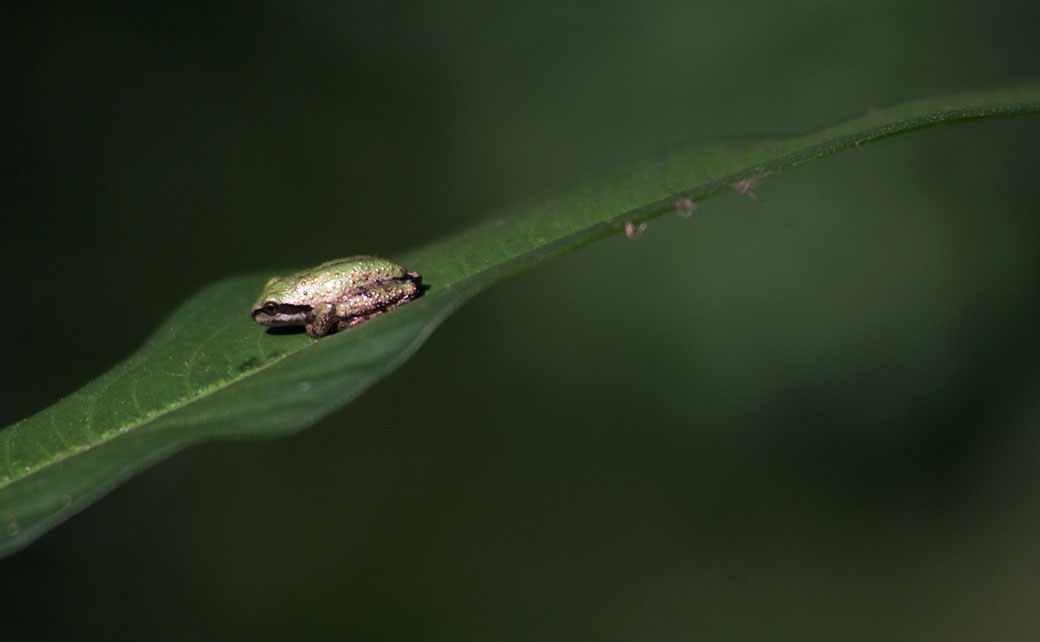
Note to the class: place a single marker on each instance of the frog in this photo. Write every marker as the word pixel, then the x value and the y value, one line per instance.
pixel 336 295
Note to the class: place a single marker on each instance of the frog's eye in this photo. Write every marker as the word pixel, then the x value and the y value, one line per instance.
pixel 270 308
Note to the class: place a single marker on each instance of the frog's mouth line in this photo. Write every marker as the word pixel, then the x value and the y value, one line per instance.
pixel 287 314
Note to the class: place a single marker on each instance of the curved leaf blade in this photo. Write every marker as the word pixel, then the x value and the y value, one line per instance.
pixel 210 372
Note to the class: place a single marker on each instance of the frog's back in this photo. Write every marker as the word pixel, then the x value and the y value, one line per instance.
pixel 333 279
pixel 362 270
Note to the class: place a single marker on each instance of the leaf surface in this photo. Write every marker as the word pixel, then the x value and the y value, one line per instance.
pixel 210 372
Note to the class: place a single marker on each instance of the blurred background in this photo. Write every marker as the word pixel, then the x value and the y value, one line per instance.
pixel 811 417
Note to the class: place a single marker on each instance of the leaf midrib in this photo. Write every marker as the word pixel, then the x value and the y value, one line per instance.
pixel 155 415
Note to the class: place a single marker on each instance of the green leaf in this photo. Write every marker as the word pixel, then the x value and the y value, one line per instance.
pixel 210 372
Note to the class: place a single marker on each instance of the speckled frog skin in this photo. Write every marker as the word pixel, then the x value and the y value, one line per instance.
pixel 336 295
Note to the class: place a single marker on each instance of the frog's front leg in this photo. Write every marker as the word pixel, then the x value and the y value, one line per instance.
pixel 324 320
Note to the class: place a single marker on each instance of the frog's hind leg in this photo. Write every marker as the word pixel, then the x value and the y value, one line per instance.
pixel 387 296
pixel 361 318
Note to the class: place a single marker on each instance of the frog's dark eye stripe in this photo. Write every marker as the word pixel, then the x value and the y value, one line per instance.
pixel 270 308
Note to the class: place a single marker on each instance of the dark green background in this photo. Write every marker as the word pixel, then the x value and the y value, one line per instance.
pixel 813 417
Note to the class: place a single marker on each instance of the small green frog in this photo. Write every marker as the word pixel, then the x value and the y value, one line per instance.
pixel 336 294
